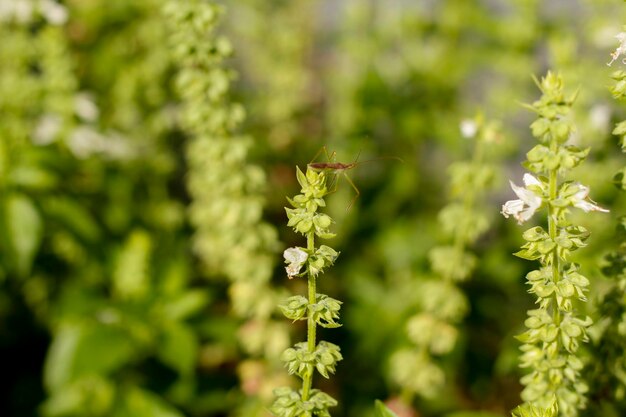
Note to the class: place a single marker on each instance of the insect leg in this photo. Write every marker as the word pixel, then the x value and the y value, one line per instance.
pixel 358 193
pixel 332 156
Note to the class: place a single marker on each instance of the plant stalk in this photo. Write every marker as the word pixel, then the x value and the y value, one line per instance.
pixel 311 325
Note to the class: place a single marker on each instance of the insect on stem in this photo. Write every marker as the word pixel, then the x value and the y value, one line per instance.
pixel 340 168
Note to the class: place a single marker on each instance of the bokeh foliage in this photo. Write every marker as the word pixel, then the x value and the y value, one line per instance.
pixel 139 255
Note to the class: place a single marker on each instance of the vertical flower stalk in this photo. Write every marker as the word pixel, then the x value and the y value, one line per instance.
pixel 607 372
pixel 304 358
pixel 230 238
pixel 433 331
pixel 554 330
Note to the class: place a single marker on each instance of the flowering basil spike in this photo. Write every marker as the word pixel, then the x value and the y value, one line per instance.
pixel 307 357
pixel 555 329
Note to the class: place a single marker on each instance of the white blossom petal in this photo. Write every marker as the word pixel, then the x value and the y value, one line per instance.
pixel 621 49
pixel 295 257
pixel 528 202
pixel 530 180
pixel 527 196
pixel 581 201
pixel 293 270
pixel 588 206
pixel 512 208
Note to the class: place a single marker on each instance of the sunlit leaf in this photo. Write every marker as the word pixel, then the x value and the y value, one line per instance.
pixel 24 230
pixel 383 411
pixel 85 348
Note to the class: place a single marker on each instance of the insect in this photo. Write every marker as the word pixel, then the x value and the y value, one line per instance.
pixel 339 168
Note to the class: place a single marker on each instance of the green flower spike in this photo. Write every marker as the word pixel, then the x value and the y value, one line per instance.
pixel 305 358
pixel 555 329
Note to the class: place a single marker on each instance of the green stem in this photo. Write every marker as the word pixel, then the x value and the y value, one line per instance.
pixel 311 325
pixel 468 200
pixel 552 230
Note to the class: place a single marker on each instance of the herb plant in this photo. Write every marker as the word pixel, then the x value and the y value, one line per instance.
pixel 226 210
pixel 304 358
pixel 607 372
pixel 555 329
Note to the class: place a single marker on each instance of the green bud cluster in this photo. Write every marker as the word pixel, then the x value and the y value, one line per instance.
pixel 231 238
pixel 290 404
pixel 528 410
pixel 304 358
pixel 433 331
pixel 324 312
pixel 554 330
pixel 607 374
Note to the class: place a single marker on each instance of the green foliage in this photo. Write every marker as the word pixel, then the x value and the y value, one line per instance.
pixel 606 373
pixel 145 149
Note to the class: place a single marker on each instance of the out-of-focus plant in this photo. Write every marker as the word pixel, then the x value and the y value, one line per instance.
pixel 555 330
pixel 230 236
pixel 606 373
pixel 36 108
pixel 280 64
pixel 434 329
pixel 94 363
pixel 87 259
pixel 304 358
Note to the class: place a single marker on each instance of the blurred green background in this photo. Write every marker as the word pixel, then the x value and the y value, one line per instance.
pixel 130 286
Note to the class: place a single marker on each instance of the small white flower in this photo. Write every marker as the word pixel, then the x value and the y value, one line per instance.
pixel 85 107
pixel 53 12
pixel 581 201
pixel 621 49
pixel 47 129
pixel 468 128
pixel 528 202
pixel 295 257
pixel 600 116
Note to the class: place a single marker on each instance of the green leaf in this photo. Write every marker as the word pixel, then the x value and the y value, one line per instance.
pixel 24 230
pixel 131 276
pixel 79 349
pixel 73 216
pixel 178 348
pixel 141 403
pixel 525 254
pixel 383 411
pixel 33 178
pixel 89 395
pixel 186 304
